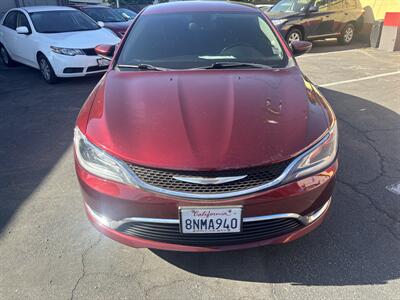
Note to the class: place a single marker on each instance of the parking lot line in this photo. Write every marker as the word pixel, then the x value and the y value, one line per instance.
pixel 359 79
pixel 329 53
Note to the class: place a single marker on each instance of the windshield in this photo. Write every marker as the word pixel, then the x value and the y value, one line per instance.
pixel 62 21
pixel 106 15
pixel 291 6
pixel 190 40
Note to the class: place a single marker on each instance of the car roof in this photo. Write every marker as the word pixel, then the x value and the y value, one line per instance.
pixel 199 6
pixel 31 9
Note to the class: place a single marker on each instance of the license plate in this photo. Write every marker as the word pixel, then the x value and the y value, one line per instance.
pixel 211 219
pixel 102 62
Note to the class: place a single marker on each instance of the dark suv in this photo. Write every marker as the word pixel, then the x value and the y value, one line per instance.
pixel 107 17
pixel 317 19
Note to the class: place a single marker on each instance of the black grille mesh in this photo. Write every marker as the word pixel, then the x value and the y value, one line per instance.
pixel 96 68
pixel 251 232
pixel 90 51
pixel 255 177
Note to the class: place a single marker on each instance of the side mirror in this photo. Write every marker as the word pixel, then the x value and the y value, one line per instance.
pixel 100 23
pixel 313 9
pixel 22 30
pixel 300 47
pixel 105 51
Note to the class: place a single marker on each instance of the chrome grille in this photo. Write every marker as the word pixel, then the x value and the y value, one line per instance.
pixel 164 179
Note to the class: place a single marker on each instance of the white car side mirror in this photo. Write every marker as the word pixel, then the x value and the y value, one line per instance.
pixel 100 23
pixel 22 30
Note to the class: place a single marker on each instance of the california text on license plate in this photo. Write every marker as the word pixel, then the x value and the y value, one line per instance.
pixel 224 219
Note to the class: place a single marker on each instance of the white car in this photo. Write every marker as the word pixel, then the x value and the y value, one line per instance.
pixel 57 40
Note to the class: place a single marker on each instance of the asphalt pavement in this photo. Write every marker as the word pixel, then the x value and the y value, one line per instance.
pixel 48 249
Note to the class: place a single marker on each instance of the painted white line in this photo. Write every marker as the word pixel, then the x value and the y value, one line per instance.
pixel 394 188
pixel 329 53
pixel 359 79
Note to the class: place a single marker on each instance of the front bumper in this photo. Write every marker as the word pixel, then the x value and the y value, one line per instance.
pixel 109 205
pixel 80 65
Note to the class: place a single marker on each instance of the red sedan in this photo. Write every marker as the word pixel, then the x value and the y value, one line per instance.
pixel 204 135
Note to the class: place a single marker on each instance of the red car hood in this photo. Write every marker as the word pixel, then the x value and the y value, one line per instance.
pixel 118 27
pixel 206 119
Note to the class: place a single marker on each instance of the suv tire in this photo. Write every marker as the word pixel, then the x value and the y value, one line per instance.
pixel 46 69
pixel 5 57
pixel 294 34
pixel 347 35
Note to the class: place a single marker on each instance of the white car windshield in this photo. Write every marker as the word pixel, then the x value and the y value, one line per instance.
pixel 62 21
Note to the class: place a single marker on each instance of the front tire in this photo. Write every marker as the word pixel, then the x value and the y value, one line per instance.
pixel 47 70
pixel 347 34
pixel 294 34
pixel 5 57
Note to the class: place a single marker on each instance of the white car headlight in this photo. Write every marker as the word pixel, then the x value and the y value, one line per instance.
pixel 98 162
pixel 315 159
pixel 278 22
pixel 67 51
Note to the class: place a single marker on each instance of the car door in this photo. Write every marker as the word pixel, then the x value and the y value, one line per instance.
pixel 316 20
pixel 351 12
pixel 336 16
pixel 330 12
pixel 8 32
pixel 25 44
pixel 326 24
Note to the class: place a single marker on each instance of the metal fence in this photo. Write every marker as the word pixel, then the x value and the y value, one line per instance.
pixel 39 2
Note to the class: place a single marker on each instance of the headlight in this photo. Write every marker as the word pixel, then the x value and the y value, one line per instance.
pixel 98 162
pixel 317 158
pixel 67 51
pixel 278 22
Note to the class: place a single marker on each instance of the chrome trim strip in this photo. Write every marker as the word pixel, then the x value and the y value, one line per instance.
pixel 272 217
pixel 194 196
pixel 114 224
pixel 208 180
pixel 307 219
pixel 323 35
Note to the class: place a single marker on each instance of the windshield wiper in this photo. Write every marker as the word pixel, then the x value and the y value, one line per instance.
pixel 143 67
pixel 226 65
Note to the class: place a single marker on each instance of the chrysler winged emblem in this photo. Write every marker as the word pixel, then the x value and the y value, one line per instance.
pixel 208 180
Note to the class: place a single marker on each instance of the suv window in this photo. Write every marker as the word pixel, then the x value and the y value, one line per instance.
pixel 329 5
pixel 351 3
pixel 334 5
pixel 23 21
pixel 11 20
